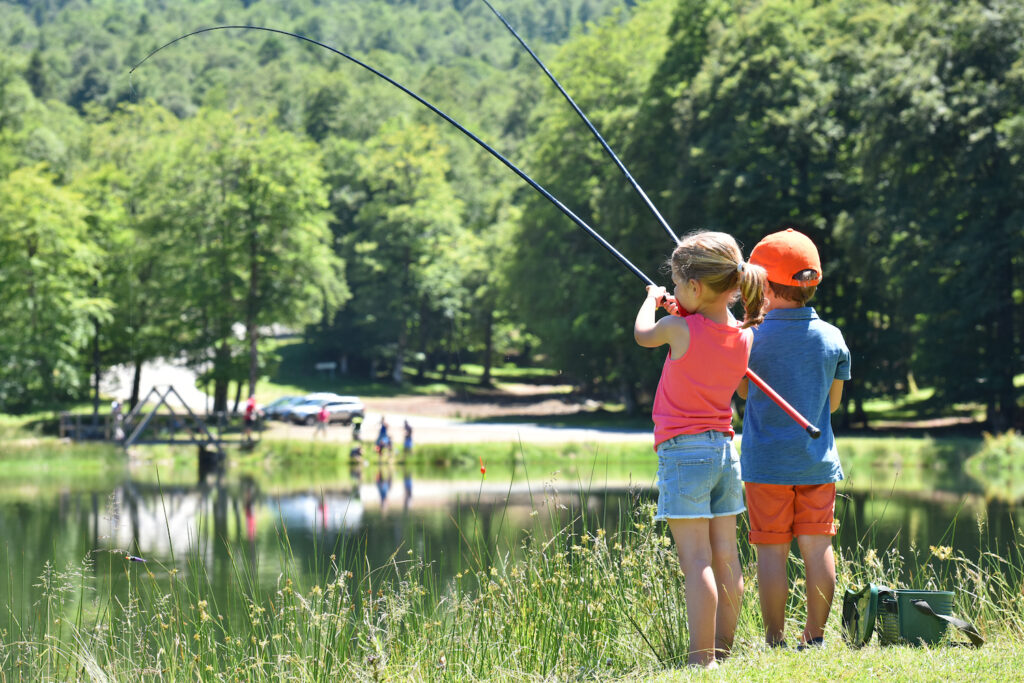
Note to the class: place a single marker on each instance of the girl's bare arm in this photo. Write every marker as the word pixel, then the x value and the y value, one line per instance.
pixel 670 329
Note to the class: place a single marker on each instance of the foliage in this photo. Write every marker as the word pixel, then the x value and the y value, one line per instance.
pixel 48 267
pixel 890 132
pixel 574 294
pixel 201 225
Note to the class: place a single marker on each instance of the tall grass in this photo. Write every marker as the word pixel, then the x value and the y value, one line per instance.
pixel 569 601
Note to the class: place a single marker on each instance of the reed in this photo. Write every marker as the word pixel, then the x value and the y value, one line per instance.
pixel 564 600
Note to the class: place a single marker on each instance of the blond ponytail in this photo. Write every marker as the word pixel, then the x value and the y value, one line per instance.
pixel 752 284
pixel 715 259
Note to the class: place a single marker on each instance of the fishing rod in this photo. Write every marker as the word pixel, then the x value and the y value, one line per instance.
pixel 493 152
pixel 667 302
pixel 671 307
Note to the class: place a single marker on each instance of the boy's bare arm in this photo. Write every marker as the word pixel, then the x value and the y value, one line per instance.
pixel 743 388
pixel 835 394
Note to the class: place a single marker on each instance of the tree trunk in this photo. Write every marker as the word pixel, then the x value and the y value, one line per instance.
pixel 221 377
pixel 398 369
pixel 250 324
pixel 136 385
pixel 421 366
pixel 96 373
pixel 485 380
pixel 238 395
pixel 1003 363
pixel 628 390
pixel 253 359
pixel 446 354
pixel 858 411
pixel 220 395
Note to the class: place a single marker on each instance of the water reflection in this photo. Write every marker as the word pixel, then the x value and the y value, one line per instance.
pixel 364 518
pixel 372 511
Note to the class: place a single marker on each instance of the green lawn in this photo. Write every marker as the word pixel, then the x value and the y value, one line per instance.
pixel 296 376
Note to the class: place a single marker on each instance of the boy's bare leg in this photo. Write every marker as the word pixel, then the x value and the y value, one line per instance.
pixel 725 561
pixel 773 589
pixel 693 544
pixel 820 565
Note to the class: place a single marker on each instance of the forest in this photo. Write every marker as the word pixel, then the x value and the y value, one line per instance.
pixel 240 182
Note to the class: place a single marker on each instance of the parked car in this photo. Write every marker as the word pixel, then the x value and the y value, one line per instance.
pixel 339 409
pixel 314 399
pixel 276 409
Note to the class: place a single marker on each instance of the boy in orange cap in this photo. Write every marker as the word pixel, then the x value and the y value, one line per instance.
pixel 790 478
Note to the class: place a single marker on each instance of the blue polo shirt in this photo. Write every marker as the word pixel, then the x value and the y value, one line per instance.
pixel 798 355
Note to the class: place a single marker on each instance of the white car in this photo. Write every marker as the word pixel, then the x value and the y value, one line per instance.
pixel 276 409
pixel 339 409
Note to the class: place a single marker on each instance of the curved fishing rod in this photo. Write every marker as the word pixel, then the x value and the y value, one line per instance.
pixel 497 155
pixel 668 303
pixel 586 120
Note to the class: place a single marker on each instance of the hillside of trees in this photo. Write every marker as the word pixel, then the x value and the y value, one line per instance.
pixel 240 179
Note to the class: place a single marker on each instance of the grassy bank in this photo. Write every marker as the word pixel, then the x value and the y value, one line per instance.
pixel 578 603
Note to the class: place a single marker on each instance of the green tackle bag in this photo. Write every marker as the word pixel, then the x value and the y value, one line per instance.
pixel 901 617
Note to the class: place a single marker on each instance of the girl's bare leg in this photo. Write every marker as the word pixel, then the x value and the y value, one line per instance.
pixel 725 561
pixel 693 544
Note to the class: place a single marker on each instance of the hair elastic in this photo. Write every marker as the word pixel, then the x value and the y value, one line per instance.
pixel 740 267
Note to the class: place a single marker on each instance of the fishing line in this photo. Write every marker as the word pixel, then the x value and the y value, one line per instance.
pixel 586 120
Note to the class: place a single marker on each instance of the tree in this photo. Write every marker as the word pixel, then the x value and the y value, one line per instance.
pixel 48 266
pixel 571 292
pixel 399 229
pixel 943 156
pixel 128 156
pixel 244 208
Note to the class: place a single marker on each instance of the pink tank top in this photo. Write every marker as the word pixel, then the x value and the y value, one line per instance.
pixel 695 391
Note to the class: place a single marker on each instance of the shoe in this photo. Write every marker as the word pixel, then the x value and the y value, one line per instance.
pixel 811 644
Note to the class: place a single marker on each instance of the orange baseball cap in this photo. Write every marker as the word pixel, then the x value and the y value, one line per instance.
pixel 789 257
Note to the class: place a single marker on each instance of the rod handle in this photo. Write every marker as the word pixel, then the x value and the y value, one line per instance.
pixel 669 303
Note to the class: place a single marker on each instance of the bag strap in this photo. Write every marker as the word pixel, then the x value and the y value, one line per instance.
pixel 964 627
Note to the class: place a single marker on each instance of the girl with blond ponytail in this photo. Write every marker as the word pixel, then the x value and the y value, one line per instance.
pixel 699 488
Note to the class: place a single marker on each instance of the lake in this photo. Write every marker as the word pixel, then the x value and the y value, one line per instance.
pixel 369 515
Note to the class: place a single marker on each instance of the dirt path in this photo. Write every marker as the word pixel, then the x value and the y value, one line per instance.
pixel 440 419
pixel 434 419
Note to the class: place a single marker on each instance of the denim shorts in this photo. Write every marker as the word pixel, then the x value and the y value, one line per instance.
pixel 699 477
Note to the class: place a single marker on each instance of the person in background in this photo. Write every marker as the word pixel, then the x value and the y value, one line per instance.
pixel 383 442
pixel 117 416
pixel 249 417
pixel 322 418
pixel 699 488
pixel 407 442
pixel 790 478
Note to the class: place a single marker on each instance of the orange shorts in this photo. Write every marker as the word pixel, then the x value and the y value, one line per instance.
pixel 778 512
